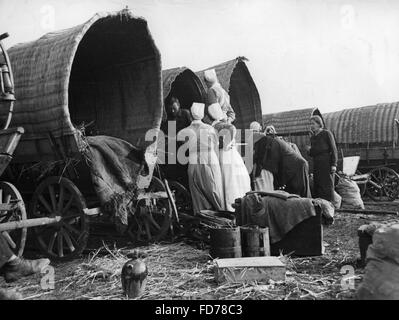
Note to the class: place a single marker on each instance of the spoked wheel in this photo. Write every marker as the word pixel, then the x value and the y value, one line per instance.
pixel 383 184
pixel 57 196
pixel 152 219
pixel 15 238
pixel 182 197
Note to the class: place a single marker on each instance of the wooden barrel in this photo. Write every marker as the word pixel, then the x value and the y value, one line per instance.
pixel 225 243
pixel 255 241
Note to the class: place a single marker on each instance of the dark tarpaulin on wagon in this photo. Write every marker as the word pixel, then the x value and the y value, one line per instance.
pixel 106 71
pixel 236 79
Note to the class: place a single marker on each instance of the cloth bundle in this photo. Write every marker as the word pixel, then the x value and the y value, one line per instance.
pixel 350 193
pixel 279 211
pixel 115 166
pixel 381 279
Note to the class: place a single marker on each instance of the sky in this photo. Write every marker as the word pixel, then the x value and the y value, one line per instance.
pixel 329 54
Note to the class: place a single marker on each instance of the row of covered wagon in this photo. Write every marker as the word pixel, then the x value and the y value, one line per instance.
pixel 101 78
pixel 370 133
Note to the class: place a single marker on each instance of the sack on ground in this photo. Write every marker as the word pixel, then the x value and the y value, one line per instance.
pixel 381 279
pixel 350 193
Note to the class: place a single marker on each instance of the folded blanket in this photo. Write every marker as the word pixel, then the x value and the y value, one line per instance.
pixel 279 215
pixel 115 166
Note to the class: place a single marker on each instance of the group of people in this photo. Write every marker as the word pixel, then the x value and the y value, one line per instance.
pixel 216 172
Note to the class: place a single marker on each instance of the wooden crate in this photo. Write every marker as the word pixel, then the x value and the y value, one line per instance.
pixel 236 270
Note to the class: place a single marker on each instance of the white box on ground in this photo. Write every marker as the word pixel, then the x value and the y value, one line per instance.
pixel 249 269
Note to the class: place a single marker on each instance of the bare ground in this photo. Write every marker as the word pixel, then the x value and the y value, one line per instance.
pixel 181 271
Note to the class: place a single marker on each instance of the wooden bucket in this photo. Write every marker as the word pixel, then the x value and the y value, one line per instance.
pixel 255 241
pixel 225 243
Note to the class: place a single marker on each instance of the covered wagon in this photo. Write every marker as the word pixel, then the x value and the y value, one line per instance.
pixel 92 89
pixel 372 134
pixel 236 79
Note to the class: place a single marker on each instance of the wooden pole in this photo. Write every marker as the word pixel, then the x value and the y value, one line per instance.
pixel 14 225
pixel 172 201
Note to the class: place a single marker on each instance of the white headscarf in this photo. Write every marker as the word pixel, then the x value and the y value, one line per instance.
pixel 255 126
pixel 216 112
pixel 210 76
pixel 197 111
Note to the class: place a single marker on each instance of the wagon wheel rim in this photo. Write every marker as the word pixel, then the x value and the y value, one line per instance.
pixel 391 184
pixel 151 225
pixel 387 181
pixel 59 197
pixel 182 197
pixel 16 239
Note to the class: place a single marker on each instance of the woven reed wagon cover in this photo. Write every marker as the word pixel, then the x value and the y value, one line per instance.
pixel 169 76
pixel 184 84
pixel 366 125
pixel 236 79
pixel 106 71
pixel 294 123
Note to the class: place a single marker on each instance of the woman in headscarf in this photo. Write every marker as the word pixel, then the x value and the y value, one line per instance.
pixel 204 174
pixel 235 177
pixel 216 94
pixel 324 153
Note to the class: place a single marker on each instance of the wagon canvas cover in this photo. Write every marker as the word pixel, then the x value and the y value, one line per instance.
pixel 106 72
pixel 366 125
pixel 236 79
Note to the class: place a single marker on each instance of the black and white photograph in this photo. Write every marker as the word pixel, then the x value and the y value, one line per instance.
pixel 221 152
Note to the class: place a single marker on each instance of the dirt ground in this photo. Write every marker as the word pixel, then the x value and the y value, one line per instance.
pixel 182 271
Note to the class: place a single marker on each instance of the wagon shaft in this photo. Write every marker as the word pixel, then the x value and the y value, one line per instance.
pixel 9 226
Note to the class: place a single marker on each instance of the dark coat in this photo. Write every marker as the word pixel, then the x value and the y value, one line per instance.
pixel 324 153
pixel 289 168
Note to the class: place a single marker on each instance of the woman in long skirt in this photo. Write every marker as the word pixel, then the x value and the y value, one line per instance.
pixel 235 176
pixel 204 174
pixel 324 153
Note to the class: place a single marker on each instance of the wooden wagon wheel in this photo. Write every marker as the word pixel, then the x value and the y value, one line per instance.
pixel 151 223
pixel 383 184
pixel 15 238
pixel 182 197
pixel 57 196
